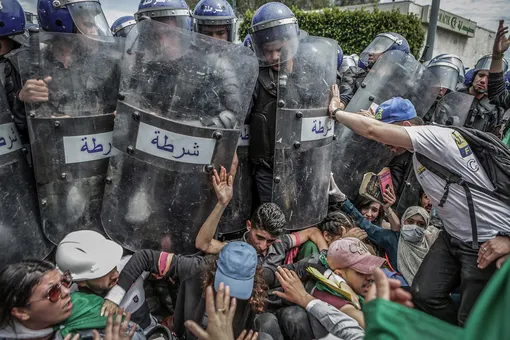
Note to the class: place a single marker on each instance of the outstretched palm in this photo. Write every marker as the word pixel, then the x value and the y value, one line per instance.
pixel 223 185
pixel 501 43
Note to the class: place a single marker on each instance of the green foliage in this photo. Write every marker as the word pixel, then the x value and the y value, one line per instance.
pixel 354 30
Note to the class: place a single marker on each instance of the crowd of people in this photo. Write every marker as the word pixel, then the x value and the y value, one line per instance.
pixel 150 245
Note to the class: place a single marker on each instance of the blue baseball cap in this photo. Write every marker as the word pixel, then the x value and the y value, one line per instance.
pixel 395 110
pixel 236 265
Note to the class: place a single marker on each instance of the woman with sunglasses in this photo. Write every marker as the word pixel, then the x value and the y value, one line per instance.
pixel 35 297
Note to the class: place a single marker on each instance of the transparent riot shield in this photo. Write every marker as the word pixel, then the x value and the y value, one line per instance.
pixel 453 109
pixel 20 225
pixel 410 195
pixel 71 133
pixel 395 74
pixel 304 133
pixel 183 99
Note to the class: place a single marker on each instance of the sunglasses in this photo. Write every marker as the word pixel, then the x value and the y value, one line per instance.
pixel 55 292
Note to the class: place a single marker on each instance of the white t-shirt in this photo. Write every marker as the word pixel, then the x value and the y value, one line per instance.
pixel 448 148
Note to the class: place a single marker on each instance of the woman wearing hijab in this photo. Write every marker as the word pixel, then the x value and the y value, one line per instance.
pixel 405 249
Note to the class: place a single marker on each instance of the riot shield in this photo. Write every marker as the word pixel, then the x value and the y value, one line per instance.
pixel 410 195
pixel 453 109
pixel 395 74
pixel 239 209
pixel 304 133
pixel 20 227
pixel 183 99
pixel 71 133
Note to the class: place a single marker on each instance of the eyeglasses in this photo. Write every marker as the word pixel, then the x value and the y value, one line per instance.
pixel 55 292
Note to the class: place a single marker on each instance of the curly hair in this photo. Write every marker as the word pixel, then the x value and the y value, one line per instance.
pixel 269 217
pixel 260 288
pixel 333 221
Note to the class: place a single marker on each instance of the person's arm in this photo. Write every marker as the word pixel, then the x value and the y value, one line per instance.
pixel 391 199
pixel 335 321
pixel 311 234
pixel 294 292
pixel 497 92
pixel 223 187
pixel 354 313
pixel 368 127
pixel 380 236
pixel 146 260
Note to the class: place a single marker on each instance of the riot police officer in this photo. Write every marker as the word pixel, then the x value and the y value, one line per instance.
pixel 483 115
pixel 353 77
pixel 215 18
pixel 449 70
pixel 123 25
pixel 275 35
pixel 73 75
pixel 171 12
pixel 13 35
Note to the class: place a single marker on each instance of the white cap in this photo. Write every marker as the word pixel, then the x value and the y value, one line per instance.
pixel 87 255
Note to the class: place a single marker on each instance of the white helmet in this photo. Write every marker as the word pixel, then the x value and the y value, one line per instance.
pixel 87 255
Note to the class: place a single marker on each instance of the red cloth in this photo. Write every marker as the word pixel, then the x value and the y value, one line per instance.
pixel 333 300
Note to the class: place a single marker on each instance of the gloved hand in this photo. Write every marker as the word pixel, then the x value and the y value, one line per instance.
pixel 334 192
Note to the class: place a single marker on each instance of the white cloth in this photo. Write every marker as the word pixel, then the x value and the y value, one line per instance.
pixel 324 317
pixel 21 332
pixel 448 148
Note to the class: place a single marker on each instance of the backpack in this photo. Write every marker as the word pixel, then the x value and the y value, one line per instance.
pixel 493 156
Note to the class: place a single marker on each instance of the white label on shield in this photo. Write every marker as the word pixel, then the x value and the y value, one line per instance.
pixel 174 146
pixel 9 139
pixel 244 139
pixel 87 148
pixel 317 128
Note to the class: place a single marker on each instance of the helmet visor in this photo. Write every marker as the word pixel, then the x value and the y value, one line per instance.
pixel 89 19
pixel 446 73
pixel 485 63
pixel 378 46
pixel 457 62
pixel 277 43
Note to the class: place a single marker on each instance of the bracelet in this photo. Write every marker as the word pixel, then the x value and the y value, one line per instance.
pixel 388 213
pixel 334 113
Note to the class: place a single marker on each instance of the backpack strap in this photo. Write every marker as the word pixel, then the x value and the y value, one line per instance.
pixel 454 178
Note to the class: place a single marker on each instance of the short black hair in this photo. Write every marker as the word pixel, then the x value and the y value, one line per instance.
pixel 269 217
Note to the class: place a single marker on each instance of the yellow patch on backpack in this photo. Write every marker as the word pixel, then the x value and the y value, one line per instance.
pixel 462 144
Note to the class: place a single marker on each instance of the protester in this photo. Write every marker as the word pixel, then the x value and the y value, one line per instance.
pixel 406 248
pixel 235 266
pixel 36 303
pixel 264 230
pixel 335 226
pixel 452 258
pixel 426 204
pixel 93 262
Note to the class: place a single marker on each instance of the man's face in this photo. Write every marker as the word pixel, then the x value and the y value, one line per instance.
pixel 272 52
pixel 442 93
pixel 104 283
pixel 480 82
pixel 6 45
pixel 260 240
pixel 360 283
pixel 217 32
pixel 425 203
pixel 372 58
pixel 396 149
pixel 86 25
